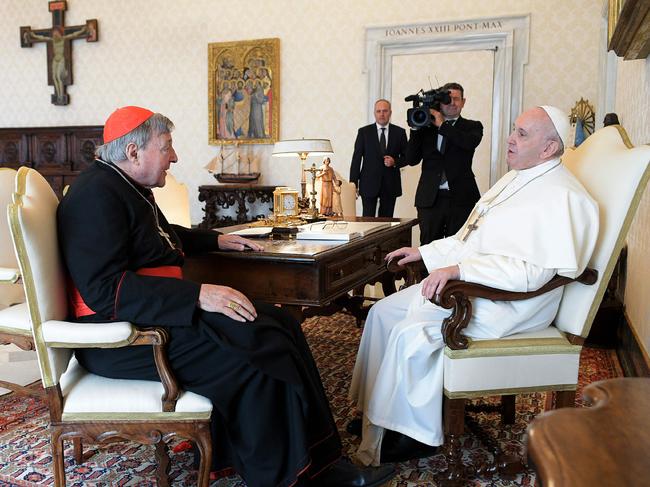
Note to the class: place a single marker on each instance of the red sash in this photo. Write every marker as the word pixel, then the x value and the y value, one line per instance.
pixel 80 308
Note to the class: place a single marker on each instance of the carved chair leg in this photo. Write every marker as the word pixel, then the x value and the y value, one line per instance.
pixel 388 282
pixel 565 399
pixel 162 468
pixel 454 425
pixel 359 290
pixel 204 444
pixel 77 447
pixel 22 390
pixel 57 458
pixel 549 401
pixel 508 409
pixel 507 466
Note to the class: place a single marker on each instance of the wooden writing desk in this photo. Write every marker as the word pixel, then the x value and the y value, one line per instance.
pixel 602 445
pixel 297 273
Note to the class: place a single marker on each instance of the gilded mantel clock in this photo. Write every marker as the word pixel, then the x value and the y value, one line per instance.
pixel 285 202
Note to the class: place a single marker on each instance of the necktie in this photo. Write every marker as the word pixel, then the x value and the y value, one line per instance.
pixel 443 139
pixel 443 143
pixel 382 141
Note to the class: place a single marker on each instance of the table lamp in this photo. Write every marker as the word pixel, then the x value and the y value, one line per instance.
pixel 304 148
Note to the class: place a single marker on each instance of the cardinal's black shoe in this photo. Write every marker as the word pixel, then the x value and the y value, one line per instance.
pixel 344 473
pixel 396 447
pixel 354 427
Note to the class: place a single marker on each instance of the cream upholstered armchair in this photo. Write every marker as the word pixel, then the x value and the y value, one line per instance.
pixel 11 289
pixel 81 404
pixel 615 174
pixel 174 201
pixel 15 327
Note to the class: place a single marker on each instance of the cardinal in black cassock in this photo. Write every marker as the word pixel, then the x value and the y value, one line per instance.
pixel 271 420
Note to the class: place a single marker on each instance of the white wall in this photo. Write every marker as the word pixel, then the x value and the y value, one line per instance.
pixel 633 108
pixel 154 53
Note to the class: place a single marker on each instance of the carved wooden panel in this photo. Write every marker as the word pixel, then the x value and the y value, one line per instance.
pixel 13 148
pixel 59 153
pixel 49 151
pixel 232 204
pixel 82 147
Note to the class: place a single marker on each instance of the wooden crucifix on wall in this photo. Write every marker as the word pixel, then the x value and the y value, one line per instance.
pixel 59 47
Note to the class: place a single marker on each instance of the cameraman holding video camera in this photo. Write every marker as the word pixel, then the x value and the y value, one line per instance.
pixel 445 143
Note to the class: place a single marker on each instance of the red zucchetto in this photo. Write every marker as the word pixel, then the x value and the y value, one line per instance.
pixel 123 120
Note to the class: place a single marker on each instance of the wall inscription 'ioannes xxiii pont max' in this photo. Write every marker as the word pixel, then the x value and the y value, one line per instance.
pixel 244 91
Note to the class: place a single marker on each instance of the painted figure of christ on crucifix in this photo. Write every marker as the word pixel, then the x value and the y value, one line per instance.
pixel 59 48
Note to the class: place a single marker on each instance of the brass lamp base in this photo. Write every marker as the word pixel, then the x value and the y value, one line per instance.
pixel 313 211
pixel 303 203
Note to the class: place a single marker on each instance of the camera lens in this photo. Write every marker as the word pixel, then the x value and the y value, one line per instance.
pixel 420 117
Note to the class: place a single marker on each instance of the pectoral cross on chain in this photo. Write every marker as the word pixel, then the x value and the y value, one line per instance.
pixel 470 228
pixel 166 236
pixel 472 225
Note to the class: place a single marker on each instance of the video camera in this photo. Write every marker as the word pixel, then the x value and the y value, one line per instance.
pixel 419 116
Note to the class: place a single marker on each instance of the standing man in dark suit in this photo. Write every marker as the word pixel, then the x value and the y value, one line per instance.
pixel 382 146
pixel 447 189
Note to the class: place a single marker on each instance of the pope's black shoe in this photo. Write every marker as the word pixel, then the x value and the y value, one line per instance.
pixel 354 427
pixel 344 473
pixel 396 447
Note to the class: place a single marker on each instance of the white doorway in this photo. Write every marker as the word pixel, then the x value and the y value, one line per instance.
pixel 481 54
pixel 474 71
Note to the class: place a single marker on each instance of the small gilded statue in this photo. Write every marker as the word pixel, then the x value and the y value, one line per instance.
pixel 337 205
pixel 329 182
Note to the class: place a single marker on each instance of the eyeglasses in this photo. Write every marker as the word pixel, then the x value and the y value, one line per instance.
pixel 327 226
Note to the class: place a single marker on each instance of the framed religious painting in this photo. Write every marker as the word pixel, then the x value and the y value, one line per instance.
pixel 244 92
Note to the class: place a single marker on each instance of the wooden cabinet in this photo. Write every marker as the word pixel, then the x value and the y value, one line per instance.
pixel 58 153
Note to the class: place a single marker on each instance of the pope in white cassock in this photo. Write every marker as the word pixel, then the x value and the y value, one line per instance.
pixel 535 222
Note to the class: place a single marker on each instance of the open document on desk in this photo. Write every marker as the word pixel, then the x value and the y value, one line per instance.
pixel 338 230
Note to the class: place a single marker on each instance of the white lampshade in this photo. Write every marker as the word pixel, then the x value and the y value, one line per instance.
pixel 307 147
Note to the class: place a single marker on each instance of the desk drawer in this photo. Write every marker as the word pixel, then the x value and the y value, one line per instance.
pixel 358 267
pixel 393 243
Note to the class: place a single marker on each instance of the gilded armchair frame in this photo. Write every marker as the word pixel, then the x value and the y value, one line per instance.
pixel 14 319
pixel 616 174
pixel 33 228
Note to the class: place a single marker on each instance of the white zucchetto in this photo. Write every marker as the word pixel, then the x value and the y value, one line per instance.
pixel 560 122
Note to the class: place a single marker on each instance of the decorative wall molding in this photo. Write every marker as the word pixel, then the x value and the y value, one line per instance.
pixel 631 37
pixel 507 36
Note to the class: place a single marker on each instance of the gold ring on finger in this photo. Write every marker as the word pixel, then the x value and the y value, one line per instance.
pixel 233 306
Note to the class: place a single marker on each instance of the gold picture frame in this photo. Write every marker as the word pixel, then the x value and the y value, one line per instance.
pixel 628 28
pixel 244 92
pixel 613 12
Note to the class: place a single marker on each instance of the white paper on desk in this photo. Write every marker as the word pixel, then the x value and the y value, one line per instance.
pixel 342 228
pixel 327 235
pixel 253 232
pixel 339 230
pixel 365 228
